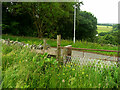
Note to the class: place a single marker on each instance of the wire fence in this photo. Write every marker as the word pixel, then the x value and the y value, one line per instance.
pixel 80 53
pixel 89 62
pixel 76 57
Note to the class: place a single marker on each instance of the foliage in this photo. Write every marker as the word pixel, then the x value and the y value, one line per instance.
pixel 115 27
pixel 86 26
pixel 110 37
pixel 27 69
pixel 47 20
pixel 14 23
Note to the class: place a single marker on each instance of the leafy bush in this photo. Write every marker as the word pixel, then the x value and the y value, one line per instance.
pixel 103 33
pixel 110 37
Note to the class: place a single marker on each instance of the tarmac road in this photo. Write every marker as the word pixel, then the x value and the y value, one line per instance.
pixel 87 56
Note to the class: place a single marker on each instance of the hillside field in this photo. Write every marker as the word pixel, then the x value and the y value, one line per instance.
pixel 101 28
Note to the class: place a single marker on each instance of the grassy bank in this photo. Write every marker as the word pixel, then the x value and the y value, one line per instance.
pixel 23 68
pixel 53 43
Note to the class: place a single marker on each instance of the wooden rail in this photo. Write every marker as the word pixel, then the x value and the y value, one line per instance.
pixel 67 50
pixel 90 49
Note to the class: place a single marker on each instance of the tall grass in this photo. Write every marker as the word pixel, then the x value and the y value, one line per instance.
pixel 23 68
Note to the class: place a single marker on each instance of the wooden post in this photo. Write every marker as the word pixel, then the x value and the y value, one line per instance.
pixel 44 44
pixel 69 50
pixel 64 54
pixel 8 41
pixel 118 63
pixel 83 53
pixel 58 47
pixel 67 53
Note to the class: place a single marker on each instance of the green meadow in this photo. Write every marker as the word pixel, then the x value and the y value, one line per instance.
pixel 101 28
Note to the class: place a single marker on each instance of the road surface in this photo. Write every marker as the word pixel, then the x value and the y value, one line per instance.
pixel 79 57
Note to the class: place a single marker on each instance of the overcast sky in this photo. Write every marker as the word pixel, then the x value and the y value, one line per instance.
pixel 106 11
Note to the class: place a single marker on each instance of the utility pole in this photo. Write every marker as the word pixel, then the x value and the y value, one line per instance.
pixel 74 21
pixel 77 5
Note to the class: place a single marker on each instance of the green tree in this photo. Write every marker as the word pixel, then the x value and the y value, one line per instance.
pixel 44 15
pixel 16 22
pixel 86 25
pixel 45 19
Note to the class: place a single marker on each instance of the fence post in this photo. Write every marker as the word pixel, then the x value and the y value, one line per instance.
pixel 44 44
pixel 8 41
pixel 67 51
pixel 58 47
pixel 118 63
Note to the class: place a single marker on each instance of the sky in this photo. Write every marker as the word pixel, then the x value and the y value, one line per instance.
pixel 106 11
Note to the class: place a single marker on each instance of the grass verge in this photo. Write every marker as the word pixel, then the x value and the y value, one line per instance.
pixel 23 68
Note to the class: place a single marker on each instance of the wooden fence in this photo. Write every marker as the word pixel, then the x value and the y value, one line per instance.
pixel 67 50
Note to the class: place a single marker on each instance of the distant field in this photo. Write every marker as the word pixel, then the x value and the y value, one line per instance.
pixel 101 28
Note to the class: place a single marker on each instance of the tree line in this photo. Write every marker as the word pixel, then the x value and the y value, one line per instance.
pixel 47 20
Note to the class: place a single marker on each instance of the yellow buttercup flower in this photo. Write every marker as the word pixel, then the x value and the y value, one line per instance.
pixel 73 69
pixel 68 65
pixel 82 72
pixel 63 73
